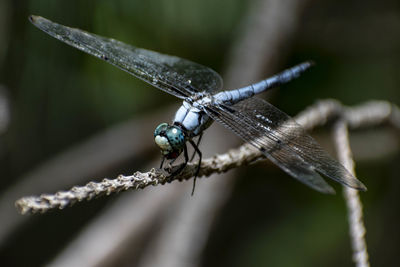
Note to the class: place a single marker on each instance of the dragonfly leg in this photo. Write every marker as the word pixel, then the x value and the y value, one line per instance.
pixel 197 150
pixel 185 153
pixel 162 162
pixel 197 145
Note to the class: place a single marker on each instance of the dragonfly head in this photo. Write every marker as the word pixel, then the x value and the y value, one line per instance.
pixel 170 139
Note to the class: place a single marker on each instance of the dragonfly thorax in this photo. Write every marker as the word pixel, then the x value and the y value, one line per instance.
pixel 170 139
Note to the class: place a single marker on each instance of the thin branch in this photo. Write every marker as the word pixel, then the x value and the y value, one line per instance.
pixel 217 164
pixel 353 202
pixel 234 158
pixel 100 153
pixel 122 226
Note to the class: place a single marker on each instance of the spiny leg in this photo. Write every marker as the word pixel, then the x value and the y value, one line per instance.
pixel 197 150
pixel 185 153
pixel 162 162
pixel 197 145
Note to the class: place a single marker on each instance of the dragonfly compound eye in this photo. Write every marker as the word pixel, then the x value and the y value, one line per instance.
pixel 160 130
pixel 170 139
pixel 176 138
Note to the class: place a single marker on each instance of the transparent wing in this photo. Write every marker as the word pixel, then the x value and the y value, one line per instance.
pixel 174 75
pixel 284 142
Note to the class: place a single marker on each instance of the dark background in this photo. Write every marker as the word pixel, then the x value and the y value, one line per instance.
pixel 60 97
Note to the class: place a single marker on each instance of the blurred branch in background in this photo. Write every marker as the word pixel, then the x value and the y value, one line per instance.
pixel 265 32
pixel 4 28
pixel 121 228
pixel 5 110
pixel 74 166
pixel 185 229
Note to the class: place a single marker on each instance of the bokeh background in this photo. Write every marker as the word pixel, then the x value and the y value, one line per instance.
pixel 61 102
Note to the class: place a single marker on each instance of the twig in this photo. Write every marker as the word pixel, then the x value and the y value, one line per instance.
pixel 354 205
pixel 243 155
pixel 100 153
pixel 217 164
pixel 121 226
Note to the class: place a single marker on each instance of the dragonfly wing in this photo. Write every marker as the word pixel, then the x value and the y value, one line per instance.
pixel 284 142
pixel 174 75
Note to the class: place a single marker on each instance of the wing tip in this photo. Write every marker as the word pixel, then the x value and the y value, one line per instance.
pixel 329 190
pixel 326 190
pixel 359 186
pixel 352 182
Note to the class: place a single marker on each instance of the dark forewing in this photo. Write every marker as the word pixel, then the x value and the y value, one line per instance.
pixel 171 74
pixel 284 142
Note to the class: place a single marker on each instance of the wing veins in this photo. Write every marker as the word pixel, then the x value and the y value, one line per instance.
pixel 278 152
pixel 176 76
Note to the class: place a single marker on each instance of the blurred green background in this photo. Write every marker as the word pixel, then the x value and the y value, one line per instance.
pixel 60 97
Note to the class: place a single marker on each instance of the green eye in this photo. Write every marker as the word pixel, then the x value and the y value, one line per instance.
pixel 170 140
pixel 160 128
pixel 175 137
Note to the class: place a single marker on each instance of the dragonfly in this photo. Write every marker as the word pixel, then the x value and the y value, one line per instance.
pixel 257 122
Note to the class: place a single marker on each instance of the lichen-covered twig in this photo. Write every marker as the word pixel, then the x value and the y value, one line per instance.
pixel 217 164
pixel 97 154
pixel 354 205
pixel 318 114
